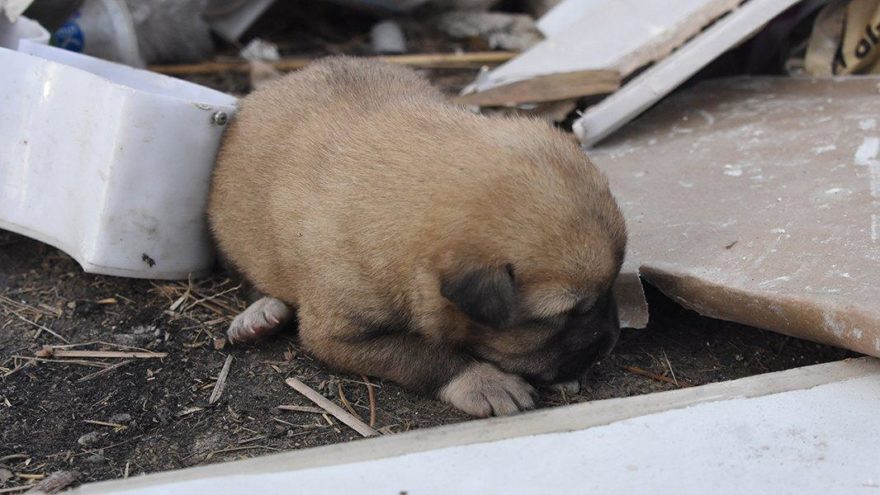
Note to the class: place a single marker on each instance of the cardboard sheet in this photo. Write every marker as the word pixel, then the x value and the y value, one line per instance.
pixel 758 201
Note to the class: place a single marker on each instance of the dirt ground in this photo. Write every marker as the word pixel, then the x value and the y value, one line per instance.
pixel 111 418
pixel 152 414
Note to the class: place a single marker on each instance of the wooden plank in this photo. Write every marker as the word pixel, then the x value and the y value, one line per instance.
pixel 616 35
pixel 552 87
pixel 427 60
pixel 659 80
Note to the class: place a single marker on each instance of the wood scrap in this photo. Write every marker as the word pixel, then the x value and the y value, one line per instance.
pixel 339 413
pixel 427 61
pixel 550 87
pixel 220 385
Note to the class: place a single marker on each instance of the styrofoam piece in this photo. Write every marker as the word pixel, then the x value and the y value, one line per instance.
pixel 660 79
pixel 108 163
pixel 807 430
pixel 22 29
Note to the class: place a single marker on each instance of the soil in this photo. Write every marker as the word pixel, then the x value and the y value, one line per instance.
pixel 157 412
pixel 111 418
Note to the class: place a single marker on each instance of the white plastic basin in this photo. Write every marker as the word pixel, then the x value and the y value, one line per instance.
pixel 108 163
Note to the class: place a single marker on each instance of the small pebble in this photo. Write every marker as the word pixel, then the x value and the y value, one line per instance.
pixel 89 438
pixel 120 418
pixel 96 459
pixel 219 343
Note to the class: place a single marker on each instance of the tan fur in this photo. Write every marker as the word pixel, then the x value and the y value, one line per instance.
pixel 353 191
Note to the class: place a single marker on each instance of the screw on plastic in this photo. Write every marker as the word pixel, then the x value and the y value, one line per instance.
pixel 220 118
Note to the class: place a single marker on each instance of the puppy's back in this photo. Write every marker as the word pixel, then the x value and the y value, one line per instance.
pixel 357 169
pixel 275 152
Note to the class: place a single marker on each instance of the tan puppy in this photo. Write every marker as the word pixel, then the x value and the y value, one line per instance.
pixel 455 254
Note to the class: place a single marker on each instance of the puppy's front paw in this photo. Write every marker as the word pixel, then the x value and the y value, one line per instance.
pixel 484 390
pixel 260 318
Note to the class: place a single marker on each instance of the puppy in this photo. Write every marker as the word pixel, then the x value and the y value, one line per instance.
pixel 458 255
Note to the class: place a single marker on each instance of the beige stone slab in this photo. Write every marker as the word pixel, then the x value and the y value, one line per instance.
pixel 757 200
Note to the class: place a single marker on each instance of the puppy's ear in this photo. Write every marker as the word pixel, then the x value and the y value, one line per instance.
pixel 487 295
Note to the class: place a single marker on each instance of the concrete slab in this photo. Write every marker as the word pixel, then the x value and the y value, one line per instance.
pixel 757 200
pixel 806 430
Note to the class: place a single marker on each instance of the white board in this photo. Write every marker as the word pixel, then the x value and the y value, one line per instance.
pixel 610 35
pixel 659 80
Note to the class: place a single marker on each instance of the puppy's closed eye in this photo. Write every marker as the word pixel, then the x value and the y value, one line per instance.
pixel 487 295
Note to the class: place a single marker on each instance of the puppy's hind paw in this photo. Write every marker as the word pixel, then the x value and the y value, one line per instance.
pixel 569 387
pixel 484 390
pixel 261 318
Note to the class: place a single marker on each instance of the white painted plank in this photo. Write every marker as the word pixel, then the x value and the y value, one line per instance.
pixel 540 423
pixel 564 14
pixel 620 35
pixel 659 80
pixel 818 440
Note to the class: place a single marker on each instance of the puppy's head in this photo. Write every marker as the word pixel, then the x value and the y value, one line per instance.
pixel 531 276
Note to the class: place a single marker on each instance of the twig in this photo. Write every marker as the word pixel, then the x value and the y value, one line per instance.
pixel 103 371
pixel 17 488
pixel 30 476
pixel 236 449
pixel 94 342
pixel 49 351
pixel 345 401
pixel 654 376
pixel 18 368
pixel 103 423
pixel 429 61
pixel 94 364
pixel 303 409
pixel 372 396
pixel 669 365
pixel 42 327
pixel 340 413
pixel 180 300
pixel 188 411
pixel 210 298
pixel 25 307
pixel 221 381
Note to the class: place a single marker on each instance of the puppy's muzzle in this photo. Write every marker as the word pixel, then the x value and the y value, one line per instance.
pixel 604 328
